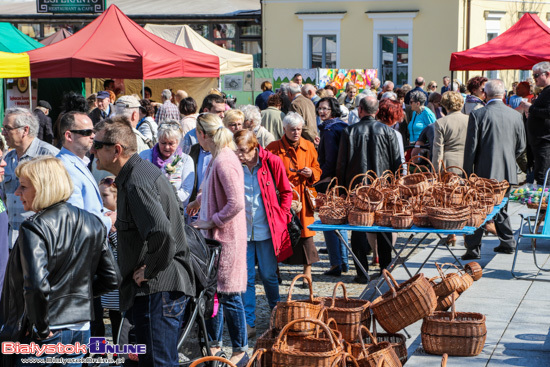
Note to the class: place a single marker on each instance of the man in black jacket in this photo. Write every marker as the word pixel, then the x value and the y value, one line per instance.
pixel 153 255
pixel 367 145
pixel 45 130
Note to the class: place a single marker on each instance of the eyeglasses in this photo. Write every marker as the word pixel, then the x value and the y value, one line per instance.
pixel 86 132
pixel 9 128
pixel 108 181
pixel 100 144
pixel 536 75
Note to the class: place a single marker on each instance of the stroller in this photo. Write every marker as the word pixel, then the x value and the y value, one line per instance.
pixel 204 256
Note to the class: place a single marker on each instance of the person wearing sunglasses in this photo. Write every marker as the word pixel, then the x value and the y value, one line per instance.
pixel 167 155
pixel 19 130
pixel 153 253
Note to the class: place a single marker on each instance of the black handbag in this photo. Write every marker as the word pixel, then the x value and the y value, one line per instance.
pixel 294 226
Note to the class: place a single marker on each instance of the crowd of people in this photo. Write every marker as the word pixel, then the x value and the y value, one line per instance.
pixel 96 202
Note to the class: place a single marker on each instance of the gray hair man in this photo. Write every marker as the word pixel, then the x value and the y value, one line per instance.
pixel 305 108
pixel 538 130
pixel 167 110
pixel 495 139
pixel 367 145
pixel 20 130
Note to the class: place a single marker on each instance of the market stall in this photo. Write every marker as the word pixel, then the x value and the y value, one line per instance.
pixel 113 46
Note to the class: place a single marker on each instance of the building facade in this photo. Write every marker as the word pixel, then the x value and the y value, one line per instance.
pixel 403 39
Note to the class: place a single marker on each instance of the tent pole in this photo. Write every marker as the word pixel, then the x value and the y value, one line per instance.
pixel 452 79
pixel 30 93
pixel 143 88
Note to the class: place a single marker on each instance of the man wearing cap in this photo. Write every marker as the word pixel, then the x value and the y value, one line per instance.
pixel 104 108
pixel 128 106
pixel 167 110
pixel 45 131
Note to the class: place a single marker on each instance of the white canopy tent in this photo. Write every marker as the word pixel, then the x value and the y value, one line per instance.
pixel 183 35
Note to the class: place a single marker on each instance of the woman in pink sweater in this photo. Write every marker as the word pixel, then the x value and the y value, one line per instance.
pixel 223 218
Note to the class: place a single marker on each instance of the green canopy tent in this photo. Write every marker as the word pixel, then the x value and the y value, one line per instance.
pixel 51 90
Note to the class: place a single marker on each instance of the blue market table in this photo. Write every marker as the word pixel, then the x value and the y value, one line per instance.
pixel 401 257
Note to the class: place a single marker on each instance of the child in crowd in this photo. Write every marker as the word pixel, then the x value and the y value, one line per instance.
pixel 110 301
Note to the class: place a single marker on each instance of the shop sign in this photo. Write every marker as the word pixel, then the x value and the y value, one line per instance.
pixel 70 6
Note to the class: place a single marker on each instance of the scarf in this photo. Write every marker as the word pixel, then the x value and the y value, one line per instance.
pixel 474 99
pixel 160 162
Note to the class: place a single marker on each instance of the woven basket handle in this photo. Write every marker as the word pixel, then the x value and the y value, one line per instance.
pixel 459 168
pixel 339 284
pixel 212 358
pixel 272 319
pixel 393 284
pixel 289 297
pixel 350 187
pixel 444 360
pixel 332 321
pixel 460 271
pixel 330 184
pixel 440 271
pixel 381 362
pixel 256 357
pixel 426 159
pixel 453 308
pixel 374 341
pixel 342 358
pixel 281 340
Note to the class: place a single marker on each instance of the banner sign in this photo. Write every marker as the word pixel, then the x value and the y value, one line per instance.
pixel 17 93
pixel 70 6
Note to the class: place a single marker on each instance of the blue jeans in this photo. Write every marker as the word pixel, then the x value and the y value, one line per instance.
pixel 158 318
pixel 63 336
pixel 267 266
pixel 337 251
pixel 232 306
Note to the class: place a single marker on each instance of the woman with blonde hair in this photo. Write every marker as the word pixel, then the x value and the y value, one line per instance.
pixel 57 266
pixel 223 218
pixel 233 120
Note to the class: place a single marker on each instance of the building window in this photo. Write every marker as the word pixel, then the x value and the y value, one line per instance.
pixel 392 45
pixel 322 51
pixel 492 29
pixel 321 39
pixel 394 61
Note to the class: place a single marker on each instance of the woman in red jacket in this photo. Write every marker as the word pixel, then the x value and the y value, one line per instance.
pixel 267 217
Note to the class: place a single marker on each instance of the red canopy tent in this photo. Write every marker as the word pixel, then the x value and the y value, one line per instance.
pixel 114 46
pixel 523 45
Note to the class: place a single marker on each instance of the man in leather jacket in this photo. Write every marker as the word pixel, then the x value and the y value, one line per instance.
pixel 367 145
pixel 59 263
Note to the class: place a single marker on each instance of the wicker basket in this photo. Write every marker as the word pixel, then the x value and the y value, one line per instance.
pixel 371 355
pixel 291 310
pixel 477 217
pixel 314 352
pixel 474 269
pixel 382 218
pixel 466 278
pixel 454 333
pixel 368 198
pixel 358 217
pixel 448 222
pixel 256 359
pixel 404 304
pixel 296 203
pixel 535 206
pixel 401 220
pixel 397 341
pixel 335 211
pixel 349 314
pixel 449 283
pixel 422 220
